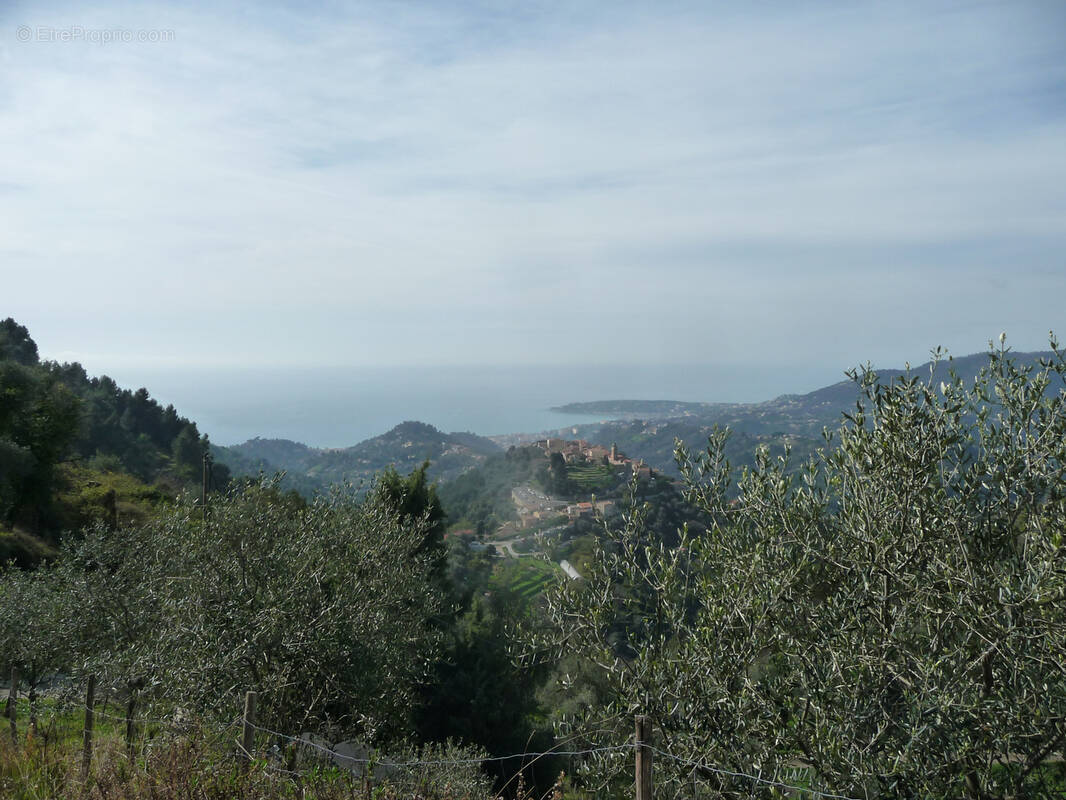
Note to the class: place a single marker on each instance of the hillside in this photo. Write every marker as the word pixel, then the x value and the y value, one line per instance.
pixel 648 428
pixel 404 447
pixel 76 449
pixel 254 461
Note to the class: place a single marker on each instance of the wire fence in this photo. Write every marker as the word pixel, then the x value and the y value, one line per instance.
pixel 398 770
pixel 703 766
pixel 385 762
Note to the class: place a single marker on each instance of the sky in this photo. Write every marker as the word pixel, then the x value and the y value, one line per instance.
pixel 406 183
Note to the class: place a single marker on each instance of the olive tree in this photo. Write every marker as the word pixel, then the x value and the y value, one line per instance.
pixel 35 634
pixel 887 620
pixel 324 609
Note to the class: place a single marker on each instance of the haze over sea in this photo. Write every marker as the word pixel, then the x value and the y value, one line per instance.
pixel 341 406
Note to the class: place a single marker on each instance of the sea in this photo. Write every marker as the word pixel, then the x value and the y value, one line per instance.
pixel 341 406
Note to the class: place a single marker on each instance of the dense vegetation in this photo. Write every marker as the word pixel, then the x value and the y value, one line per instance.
pixel 63 433
pixel 143 556
pixel 883 617
pixel 888 622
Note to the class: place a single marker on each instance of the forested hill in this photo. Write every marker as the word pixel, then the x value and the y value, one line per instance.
pixel 74 448
pixel 404 448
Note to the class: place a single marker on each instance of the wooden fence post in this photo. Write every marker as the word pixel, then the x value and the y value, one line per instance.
pixel 248 734
pixel 87 743
pixel 203 490
pixel 12 701
pixel 643 760
pixel 131 725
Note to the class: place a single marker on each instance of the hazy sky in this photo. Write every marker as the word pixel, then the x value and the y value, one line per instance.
pixel 534 182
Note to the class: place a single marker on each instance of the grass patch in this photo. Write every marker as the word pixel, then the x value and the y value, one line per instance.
pixel 525 577
pixel 26 550
pixel 590 476
pixel 194 762
pixel 84 496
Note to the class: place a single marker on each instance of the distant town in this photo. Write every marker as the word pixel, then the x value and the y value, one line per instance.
pixel 537 511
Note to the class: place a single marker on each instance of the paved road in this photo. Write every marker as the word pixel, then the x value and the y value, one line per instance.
pixel 506 547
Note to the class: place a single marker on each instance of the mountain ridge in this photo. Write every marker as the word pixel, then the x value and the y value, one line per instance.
pixel 404 447
pixel 800 413
pixel 644 429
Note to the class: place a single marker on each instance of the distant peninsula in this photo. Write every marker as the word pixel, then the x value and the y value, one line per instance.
pixel 668 408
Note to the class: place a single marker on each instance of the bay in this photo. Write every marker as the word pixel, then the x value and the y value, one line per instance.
pixel 341 406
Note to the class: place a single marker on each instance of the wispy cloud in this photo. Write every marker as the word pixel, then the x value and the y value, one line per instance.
pixel 462 182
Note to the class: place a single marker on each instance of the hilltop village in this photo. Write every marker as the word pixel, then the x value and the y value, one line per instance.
pixel 583 461
pixel 555 497
pixel 579 451
pixel 567 483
